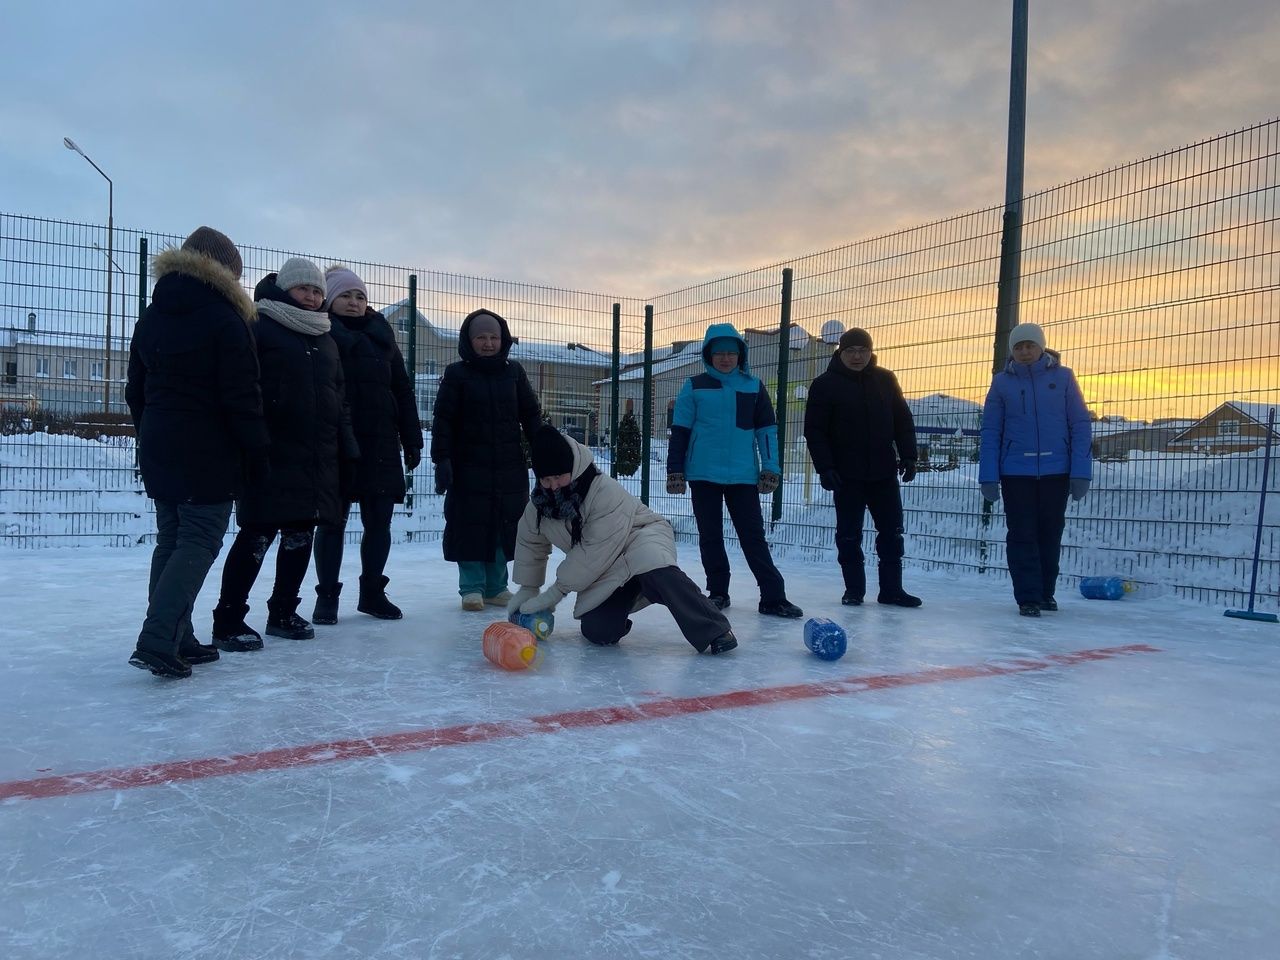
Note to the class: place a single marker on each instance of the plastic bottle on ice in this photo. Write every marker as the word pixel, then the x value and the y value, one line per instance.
pixel 1104 588
pixel 825 638
pixel 540 624
pixel 510 646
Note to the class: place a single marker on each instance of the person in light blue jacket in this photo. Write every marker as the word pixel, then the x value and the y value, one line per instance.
pixel 1036 450
pixel 724 450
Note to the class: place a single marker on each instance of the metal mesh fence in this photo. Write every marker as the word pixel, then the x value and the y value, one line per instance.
pixel 1155 280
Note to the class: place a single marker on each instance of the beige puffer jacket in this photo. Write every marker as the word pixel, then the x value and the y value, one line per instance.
pixel 621 538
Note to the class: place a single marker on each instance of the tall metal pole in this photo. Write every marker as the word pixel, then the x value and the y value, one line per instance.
pixel 1011 227
pixel 647 415
pixel 1011 232
pixel 616 378
pixel 784 357
pixel 106 346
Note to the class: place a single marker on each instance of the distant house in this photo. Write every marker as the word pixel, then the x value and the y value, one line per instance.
pixel 61 371
pixel 1234 427
pixel 1115 439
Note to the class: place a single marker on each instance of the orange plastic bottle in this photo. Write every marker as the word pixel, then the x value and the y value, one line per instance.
pixel 509 646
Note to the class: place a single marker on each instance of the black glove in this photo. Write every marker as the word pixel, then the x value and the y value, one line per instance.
pixel 257 468
pixel 444 477
pixel 907 470
pixel 412 457
pixel 830 480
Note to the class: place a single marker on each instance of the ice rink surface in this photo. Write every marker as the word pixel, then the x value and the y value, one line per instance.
pixel 964 783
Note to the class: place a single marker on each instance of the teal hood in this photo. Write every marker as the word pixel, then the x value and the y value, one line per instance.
pixel 715 332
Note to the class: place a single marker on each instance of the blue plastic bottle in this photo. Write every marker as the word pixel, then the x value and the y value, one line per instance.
pixel 1102 588
pixel 540 624
pixel 825 638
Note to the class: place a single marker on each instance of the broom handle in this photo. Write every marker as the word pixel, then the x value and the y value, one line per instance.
pixel 1262 506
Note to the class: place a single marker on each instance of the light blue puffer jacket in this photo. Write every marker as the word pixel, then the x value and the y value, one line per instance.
pixel 723 428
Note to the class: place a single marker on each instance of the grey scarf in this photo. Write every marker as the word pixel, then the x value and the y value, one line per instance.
pixel 310 322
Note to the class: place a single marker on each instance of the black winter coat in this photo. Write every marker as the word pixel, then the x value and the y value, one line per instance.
pixel 193 382
pixel 482 405
pixel 308 420
pixel 854 419
pixel 380 397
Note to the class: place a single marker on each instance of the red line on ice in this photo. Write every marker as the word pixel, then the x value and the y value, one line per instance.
pixel 415 740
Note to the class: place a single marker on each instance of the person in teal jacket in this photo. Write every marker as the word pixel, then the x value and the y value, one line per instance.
pixel 724 451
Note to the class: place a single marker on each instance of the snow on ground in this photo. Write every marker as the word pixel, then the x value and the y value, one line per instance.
pixel 983 795
pixel 1185 523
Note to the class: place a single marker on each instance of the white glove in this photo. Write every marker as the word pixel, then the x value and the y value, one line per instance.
pixel 523 594
pixel 546 600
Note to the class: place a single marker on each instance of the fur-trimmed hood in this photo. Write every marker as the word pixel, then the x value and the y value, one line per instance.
pixel 208 271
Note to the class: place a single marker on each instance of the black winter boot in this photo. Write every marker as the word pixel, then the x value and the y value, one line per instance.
pixel 722 644
pixel 161 664
pixel 780 608
pixel 283 620
pixel 195 652
pixel 373 599
pixel 891 591
pixel 230 632
pixel 326 609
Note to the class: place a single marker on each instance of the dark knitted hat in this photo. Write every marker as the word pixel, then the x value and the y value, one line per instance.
pixel 855 337
pixel 550 452
pixel 216 246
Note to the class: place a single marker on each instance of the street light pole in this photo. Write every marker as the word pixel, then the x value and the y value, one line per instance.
pixel 106 347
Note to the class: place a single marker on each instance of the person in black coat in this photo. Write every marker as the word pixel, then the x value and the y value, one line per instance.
pixel 483 404
pixel 384 417
pixel 310 429
pixel 197 410
pixel 854 419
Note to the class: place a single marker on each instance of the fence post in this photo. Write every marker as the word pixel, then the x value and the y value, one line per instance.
pixel 646 441
pixel 613 412
pixel 142 276
pixel 784 359
pixel 411 361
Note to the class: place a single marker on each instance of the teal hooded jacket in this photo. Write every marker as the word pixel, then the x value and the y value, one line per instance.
pixel 723 428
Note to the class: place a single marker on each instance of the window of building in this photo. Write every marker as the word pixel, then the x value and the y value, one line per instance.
pixel 11 371
pixel 70 369
pixel 96 371
pixel 42 366
pixel 1228 428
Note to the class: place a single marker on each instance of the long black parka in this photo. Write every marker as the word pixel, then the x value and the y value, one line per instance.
pixel 380 397
pixel 482 406
pixel 307 417
pixel 193 382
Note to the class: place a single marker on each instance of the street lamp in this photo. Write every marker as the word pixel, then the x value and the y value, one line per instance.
pixel 106 359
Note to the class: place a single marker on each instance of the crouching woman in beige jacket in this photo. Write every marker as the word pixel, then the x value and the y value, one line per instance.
pixel 620 556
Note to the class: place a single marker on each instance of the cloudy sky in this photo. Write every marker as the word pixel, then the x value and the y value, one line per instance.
pixel 630 148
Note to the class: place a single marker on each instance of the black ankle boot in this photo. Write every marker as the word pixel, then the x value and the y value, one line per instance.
pixel 195 652
pixel 161 664
pixel 230 632
pixel 373 599
pixel 283 620
pixel 326 609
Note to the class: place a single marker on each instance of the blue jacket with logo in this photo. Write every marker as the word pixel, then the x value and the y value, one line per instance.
pixel 1035 423
pixel 723 428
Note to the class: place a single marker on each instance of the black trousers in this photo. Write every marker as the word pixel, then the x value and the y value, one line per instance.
pixel 188 538
pixel 743 501
pixel 853 500
pixel 1035 512
pixel 244 561
pixel 375 542
pixel 695 615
